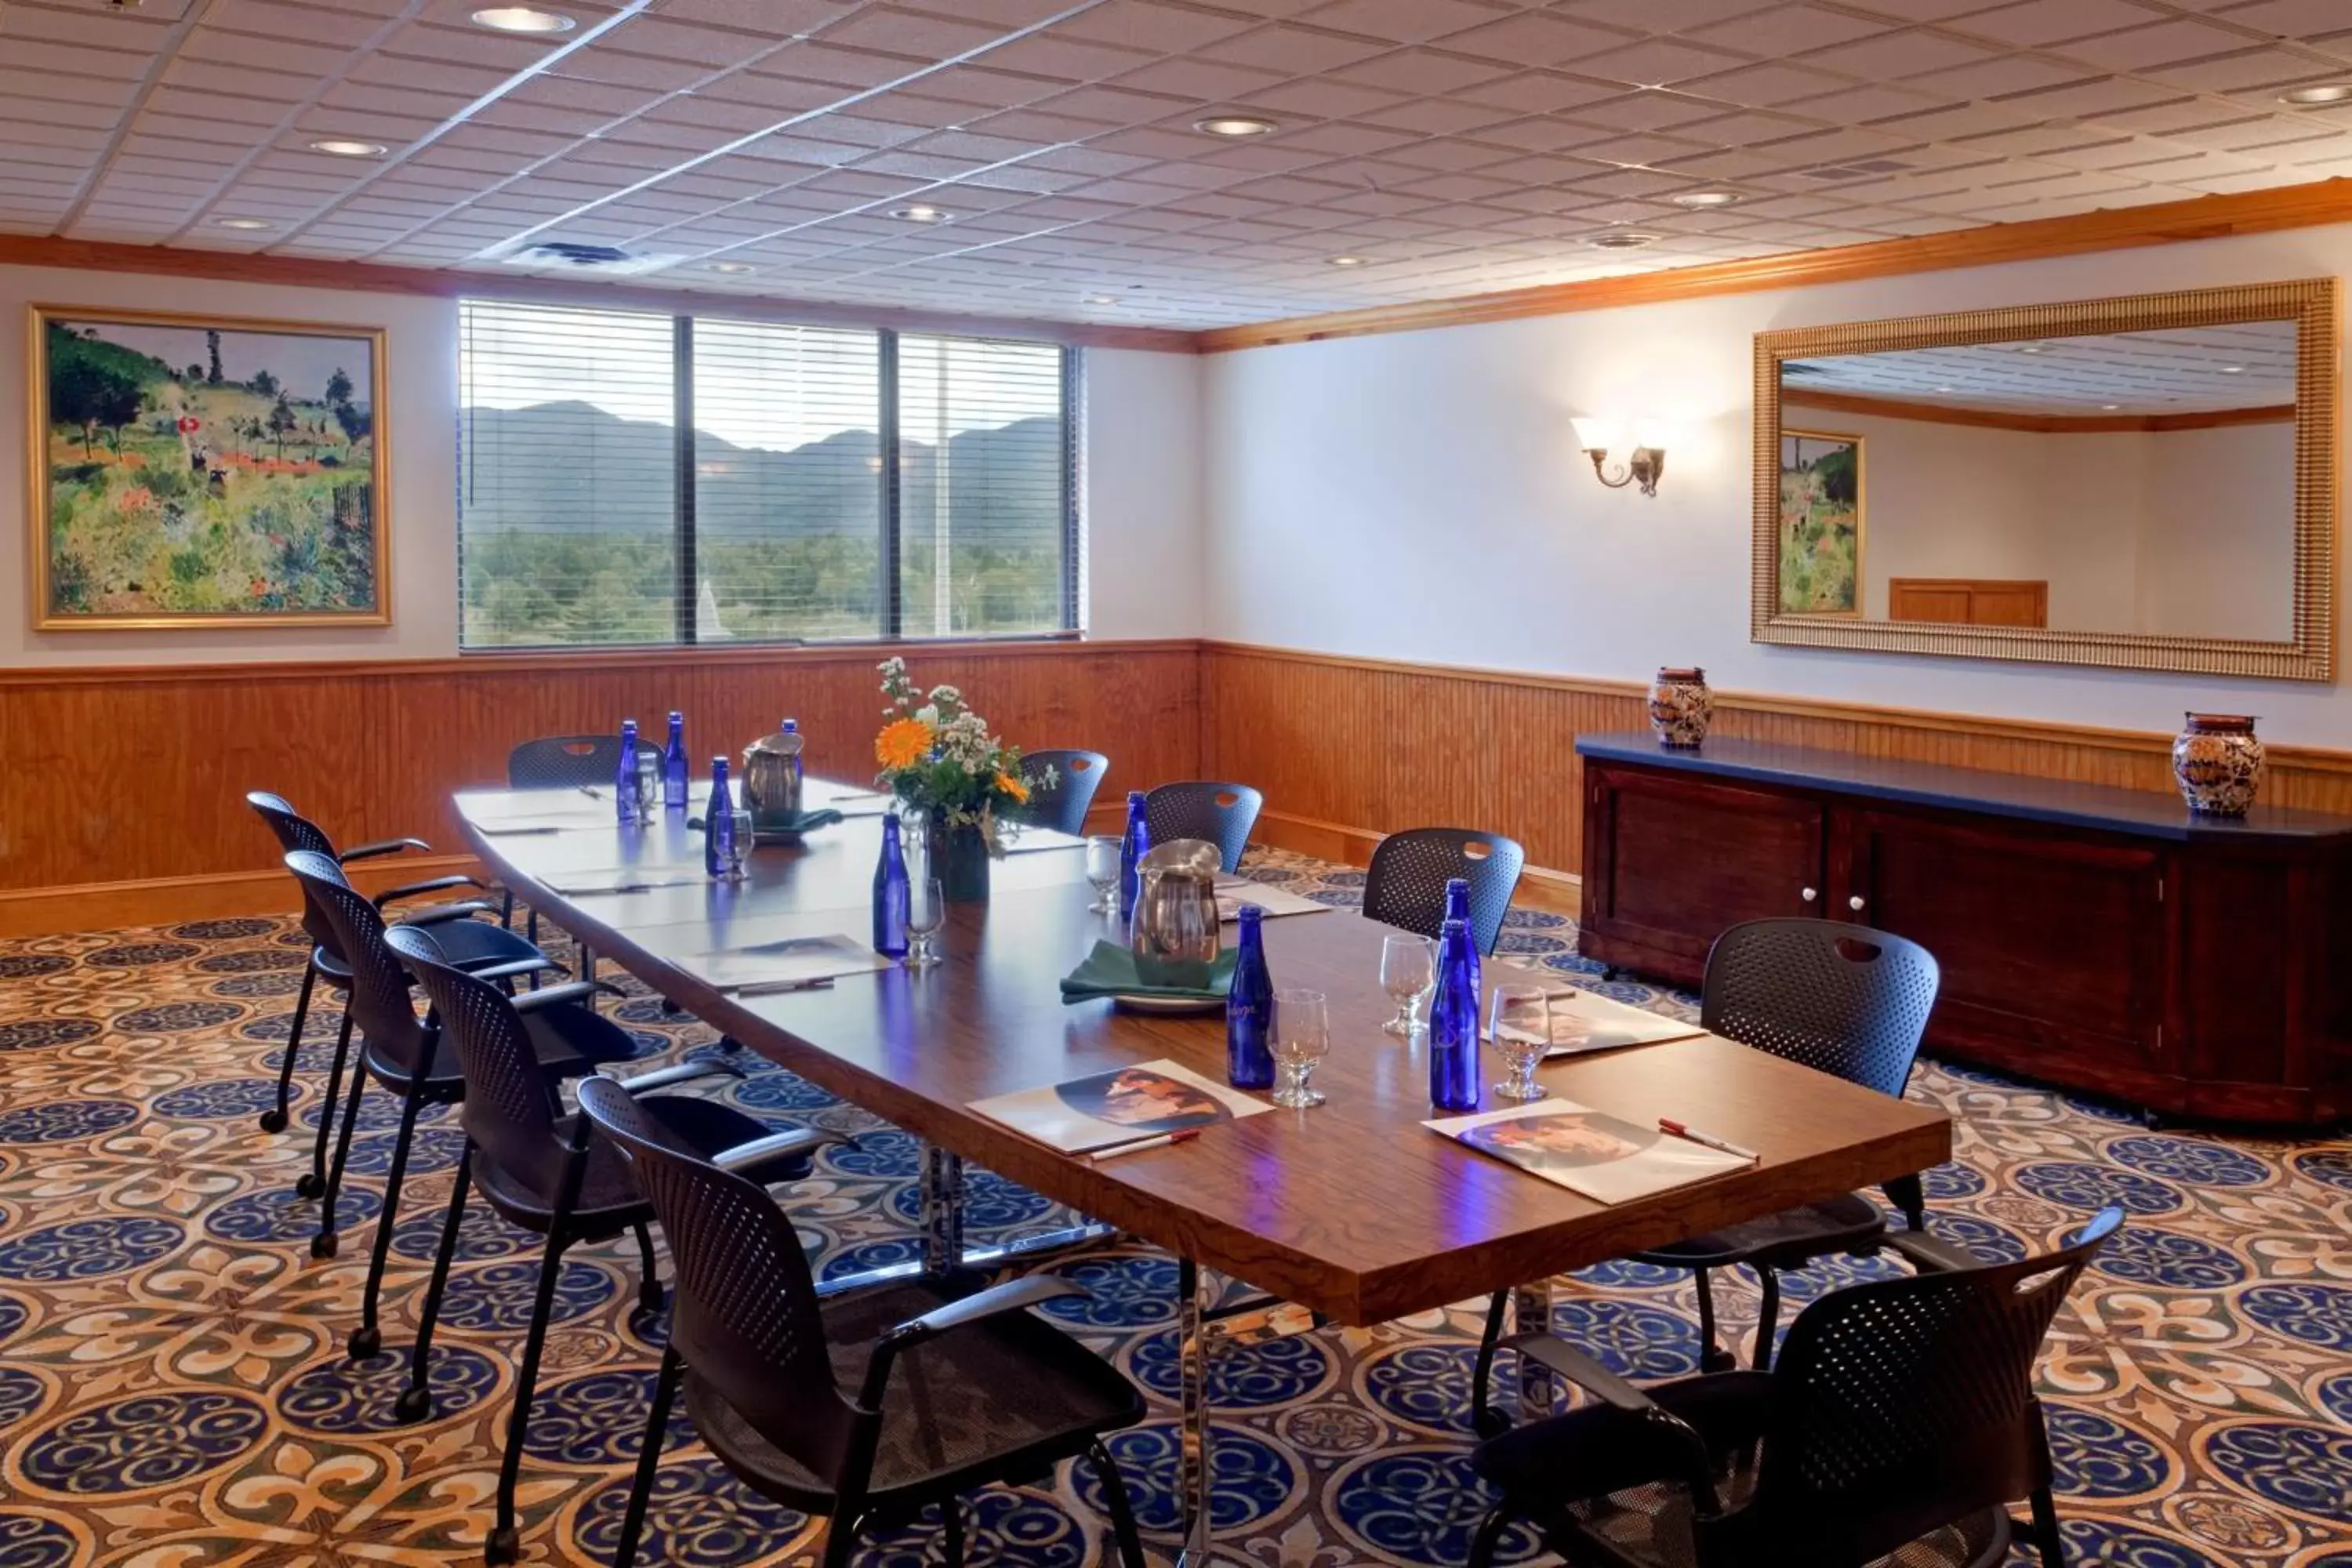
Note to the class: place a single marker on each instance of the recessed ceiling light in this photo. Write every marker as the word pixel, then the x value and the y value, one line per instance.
pixel 919 212
pixel 1234 125
pixel 2233 370
pixel 1703 199
pixel 1623 239
pixel 523 20
pixel 339 147
pixel 2326 92
pixel 1942 389
pixel 732 267
pixel 1347 261
pixel 2110 407
pixel 1100 299
pixel 249 222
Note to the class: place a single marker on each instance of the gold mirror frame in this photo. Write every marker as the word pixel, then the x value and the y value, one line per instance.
pixel 2313 304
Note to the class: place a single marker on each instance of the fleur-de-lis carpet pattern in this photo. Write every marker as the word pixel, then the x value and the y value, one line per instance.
pixel 174 1391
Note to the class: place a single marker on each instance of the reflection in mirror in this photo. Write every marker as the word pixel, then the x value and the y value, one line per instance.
pixel 2130 482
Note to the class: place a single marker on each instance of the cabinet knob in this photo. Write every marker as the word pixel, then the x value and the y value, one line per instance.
pixel 1811 895
pixel 1854 903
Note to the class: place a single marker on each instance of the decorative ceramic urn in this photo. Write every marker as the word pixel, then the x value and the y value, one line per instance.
pixel 1680 706
pixel 2218 764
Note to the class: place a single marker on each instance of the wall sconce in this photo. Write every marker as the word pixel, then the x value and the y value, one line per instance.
pixel 1647 462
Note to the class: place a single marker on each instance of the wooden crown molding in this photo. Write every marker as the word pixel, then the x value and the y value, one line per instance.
pixel 2034 424
pixel 2161 223
pixel 365 276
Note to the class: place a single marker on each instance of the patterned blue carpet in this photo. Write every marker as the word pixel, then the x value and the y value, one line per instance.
pixel 173 1393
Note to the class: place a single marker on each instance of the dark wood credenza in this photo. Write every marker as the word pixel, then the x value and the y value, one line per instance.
pixel 2095 938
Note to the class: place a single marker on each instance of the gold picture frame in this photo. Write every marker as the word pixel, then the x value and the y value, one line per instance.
pixel 1861 515
pixel 2314 305
pixel 227 474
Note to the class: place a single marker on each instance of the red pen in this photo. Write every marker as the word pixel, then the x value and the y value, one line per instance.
pixel 1680 1130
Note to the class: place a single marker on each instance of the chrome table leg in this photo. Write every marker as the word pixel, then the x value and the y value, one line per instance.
pixel 943 1210
pixel 1531 1314
pixel 1196 1475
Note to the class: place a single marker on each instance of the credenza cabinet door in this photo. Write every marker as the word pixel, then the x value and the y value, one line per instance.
pixel 2052 944
pixel 1670 862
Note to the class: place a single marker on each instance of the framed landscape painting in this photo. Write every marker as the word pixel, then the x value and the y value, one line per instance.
pixel 201 471
pixel 1821 523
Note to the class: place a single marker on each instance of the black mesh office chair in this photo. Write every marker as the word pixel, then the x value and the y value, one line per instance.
pixel 541 1170
pixel 1405 885
pixel 1900 1424
pixel 407 1054
pixel 1222 813
pixel 558 761
pixel 1061 787
pixel 952 1391
pixel 1842 999
pixel 472 944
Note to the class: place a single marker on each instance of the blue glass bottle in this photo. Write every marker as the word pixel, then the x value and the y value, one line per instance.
pixel 1131 850
pixel 674 766
pixel 1454 1022
pixel 890 895
pixel 1249 1008
pixel 1457 907
pixel 718 822
pixel 627 801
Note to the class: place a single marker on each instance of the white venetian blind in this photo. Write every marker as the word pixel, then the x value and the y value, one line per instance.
pixel 567 476
pixel 985 486
pixel 787 482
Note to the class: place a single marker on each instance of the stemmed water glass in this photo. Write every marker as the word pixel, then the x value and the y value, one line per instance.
pixel 738 849
pixel 1408 972
pixel 926 910
pixel 1102 871
pixel 1518 1020
pixel 1302 1037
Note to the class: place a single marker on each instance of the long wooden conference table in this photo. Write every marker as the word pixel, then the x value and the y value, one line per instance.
pixel 1351 1210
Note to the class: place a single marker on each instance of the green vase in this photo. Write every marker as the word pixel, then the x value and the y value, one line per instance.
pixel 958 858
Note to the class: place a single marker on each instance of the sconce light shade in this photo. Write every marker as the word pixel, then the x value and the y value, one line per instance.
pixel 1643 465
pixel 1594 434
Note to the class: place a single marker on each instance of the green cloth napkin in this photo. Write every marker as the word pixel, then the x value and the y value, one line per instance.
pixel 1109 970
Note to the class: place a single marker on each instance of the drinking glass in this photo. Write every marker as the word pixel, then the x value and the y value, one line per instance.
pixel 1408 973
pixel 738 852
pixel 1302 1037
pixel 1102 871
pixel 649 795
pixel 926 910
pixel 1518 1020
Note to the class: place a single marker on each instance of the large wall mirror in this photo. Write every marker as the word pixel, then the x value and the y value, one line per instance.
pixel 2147 483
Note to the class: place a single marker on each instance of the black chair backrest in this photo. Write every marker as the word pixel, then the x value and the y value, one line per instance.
pixel 1222 813
pixel 510 1107
pixel 1405 885
pixel 1840 998
pixel 746 1314
pixel 1063 803
pixel 382 1003
pixel 553 762
pixel 295 831
pixel 1902 1405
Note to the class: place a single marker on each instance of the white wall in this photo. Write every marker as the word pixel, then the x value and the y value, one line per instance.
pixel 1142 488
pixel 1416 497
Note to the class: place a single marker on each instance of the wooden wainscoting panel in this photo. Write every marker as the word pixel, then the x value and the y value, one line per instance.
pixel 124 788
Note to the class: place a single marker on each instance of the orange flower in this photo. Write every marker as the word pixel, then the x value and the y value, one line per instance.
pixel 1017 788
pixel 902 744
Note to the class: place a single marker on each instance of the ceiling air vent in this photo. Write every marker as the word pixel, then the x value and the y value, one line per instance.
pixel 1861 170
pixel 569 256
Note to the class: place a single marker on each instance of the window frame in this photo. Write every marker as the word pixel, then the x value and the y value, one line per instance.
pixel 1070 576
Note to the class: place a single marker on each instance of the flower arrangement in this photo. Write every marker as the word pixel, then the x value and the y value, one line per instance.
pixel 937 755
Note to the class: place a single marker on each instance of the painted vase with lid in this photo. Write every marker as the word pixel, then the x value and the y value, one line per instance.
pixel 2218 762
pixel 1680 706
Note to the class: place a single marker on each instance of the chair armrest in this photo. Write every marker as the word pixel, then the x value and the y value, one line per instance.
pixel 776 1146
pixel 554 995
pixel 1013 1296
pixel 381 847
pixel 514 966
pixel 438 884
pixel 1559 1356
pixel 442 914
pixel 663 1077
pixel 1930 1254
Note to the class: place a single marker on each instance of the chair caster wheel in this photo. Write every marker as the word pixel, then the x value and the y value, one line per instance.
pixel 1489 1423
pixel 503 1547
pixel 325 1245
pixel 365 1342
pixel 273 1121
pixel 309 1186
pixel 413 1404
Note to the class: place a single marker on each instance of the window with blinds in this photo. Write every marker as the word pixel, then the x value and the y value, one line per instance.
pixel 628 478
